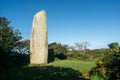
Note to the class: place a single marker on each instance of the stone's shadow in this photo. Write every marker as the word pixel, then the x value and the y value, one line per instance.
pixel 52 73
pixel 42 73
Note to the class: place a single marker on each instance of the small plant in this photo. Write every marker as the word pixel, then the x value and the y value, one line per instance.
pixel 86 75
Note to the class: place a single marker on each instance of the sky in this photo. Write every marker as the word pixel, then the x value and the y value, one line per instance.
pixel 68 21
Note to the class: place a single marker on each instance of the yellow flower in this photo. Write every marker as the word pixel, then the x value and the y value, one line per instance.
pixel 85 74
pixel 95 65
pixel 100 62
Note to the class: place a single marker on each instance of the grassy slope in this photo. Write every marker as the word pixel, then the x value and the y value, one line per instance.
pixel 75 64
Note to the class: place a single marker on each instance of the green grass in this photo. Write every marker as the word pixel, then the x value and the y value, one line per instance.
pixel 74 64
pixel 58 70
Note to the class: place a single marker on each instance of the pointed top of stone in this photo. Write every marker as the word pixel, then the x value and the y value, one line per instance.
pixel 42 12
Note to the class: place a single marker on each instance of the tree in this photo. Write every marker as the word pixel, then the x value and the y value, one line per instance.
pixel 79 46
pixel 82 46
pixel 23 47
pixel 58 49
pixel 72 48
pixel 9 37
pixel 114 46
pixel 86 44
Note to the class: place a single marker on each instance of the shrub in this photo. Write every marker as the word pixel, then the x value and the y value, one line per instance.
pixel 112 65
pixel 109 67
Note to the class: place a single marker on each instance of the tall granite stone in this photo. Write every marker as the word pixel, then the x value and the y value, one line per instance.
pixel 39 39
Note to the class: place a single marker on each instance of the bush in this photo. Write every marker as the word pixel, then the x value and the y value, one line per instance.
pixel 7 61
pixel 109 67
pixel 20 59
pixel 92 55
pixel 112 65
pixel 61 56
pixel 51 55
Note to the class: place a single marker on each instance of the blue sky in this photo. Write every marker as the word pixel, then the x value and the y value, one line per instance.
pixel 69 21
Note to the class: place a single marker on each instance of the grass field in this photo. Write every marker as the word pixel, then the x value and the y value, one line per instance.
pixel 58 70
pixel 75 64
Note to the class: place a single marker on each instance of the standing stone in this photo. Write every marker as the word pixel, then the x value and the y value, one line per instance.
pixel 39 39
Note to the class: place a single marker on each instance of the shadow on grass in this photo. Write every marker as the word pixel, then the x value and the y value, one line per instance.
pixel 40 73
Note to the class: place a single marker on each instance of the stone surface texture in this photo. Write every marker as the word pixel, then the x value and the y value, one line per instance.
pixel 39 39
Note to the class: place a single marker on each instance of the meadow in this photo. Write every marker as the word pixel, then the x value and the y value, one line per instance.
pixel 75 64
